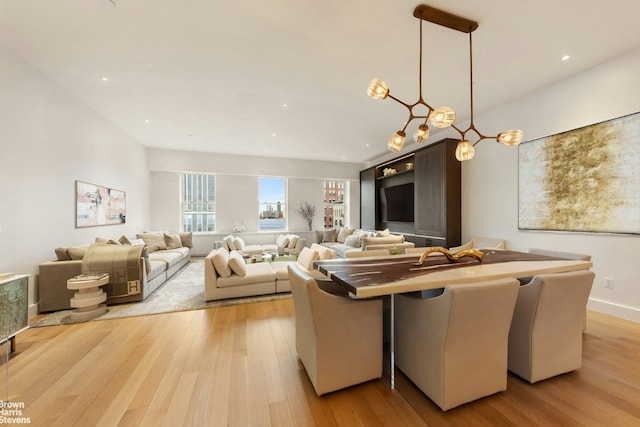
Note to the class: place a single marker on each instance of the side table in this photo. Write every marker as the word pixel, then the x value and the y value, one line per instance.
pixel 87 301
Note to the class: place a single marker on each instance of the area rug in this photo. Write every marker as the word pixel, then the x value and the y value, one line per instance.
pixel 184 291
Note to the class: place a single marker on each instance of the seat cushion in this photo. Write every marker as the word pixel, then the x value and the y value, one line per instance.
pixel 260 272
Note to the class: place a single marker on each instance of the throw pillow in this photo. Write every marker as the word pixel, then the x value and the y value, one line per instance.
pixel 77 252
pixel 282 241
pixel 186 239
pixel 172 240
pixel 238 243
pixel 101 240
pixel 306 258
pixel 147 261
pixel 137 242
pixel 344 233
pixel 354 240
pixel 124 240
pixel 293 241
pixel 220 262
pixel 62 254
pixel 154 241
pixel 237 264
pixel 383 233
pixel 329 236
pixel 228 241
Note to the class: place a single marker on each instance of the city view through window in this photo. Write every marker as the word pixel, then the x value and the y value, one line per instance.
pixel 272 204
pixel 198 202
pixel 334 206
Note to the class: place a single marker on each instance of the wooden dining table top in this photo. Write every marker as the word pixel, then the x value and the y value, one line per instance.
pixel 375 276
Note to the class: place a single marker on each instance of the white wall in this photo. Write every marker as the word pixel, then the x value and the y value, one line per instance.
pixel 47 141
pixel 490 180
pixel 237 191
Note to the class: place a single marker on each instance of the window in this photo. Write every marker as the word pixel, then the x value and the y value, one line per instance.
pixel 334 204
pixel 272 204
pixel 198 203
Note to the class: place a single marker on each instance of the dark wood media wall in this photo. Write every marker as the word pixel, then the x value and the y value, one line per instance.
pixel 435 175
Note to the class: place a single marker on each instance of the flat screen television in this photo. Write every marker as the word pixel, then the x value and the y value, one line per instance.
pixel 397 203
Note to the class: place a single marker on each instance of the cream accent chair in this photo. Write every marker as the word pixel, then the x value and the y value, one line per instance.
pixel 477 242
pixel 454 346
pixel 363 254
pixel 546 331
pixel 338 339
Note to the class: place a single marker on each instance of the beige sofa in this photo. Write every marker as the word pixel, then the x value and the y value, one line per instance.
pixel 347 240
pixel 286 244
pixel 226 275
pixel 151 269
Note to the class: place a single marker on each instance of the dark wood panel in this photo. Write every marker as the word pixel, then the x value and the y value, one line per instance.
pixel 368 196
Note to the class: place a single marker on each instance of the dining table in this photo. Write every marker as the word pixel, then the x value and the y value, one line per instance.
pixel 367 277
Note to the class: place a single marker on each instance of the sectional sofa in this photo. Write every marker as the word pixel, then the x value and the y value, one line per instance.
pixel 137 266
pixel 350 240
pixel 226 275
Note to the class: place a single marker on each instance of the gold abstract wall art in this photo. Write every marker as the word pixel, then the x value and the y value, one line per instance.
pixel 583 180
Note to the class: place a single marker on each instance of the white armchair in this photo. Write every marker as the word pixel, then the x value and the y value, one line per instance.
pixel 338 339
pixel 546 331
pixel 454 346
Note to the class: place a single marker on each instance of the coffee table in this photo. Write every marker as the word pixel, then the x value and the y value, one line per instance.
pixel 87 301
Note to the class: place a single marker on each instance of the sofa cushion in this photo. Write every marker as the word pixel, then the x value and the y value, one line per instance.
pixel 77 252
pixel 344 233
pixel 282 241
pixel 355 240
pixel 154 241
pixel 237 264
pixel 260 272
pixel 169 257
pixel 306 258
pixel 383 233
pixel 62 254
pixel 329 236
pixel 293 241
pixel 124 240
pixel 155 269
pixel 186 239
pixel 220 261
pixel 238 243
pixel 366 241
pixel 323 251
pixel 172 240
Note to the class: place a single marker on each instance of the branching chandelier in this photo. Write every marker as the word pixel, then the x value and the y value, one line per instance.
pixel 441 117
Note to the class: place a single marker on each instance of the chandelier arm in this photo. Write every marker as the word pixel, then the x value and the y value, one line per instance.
pixel 420 63
pixel 471 78
pixel 398 101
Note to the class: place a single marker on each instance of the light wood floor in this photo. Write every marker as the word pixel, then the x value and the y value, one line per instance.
pixel 237 366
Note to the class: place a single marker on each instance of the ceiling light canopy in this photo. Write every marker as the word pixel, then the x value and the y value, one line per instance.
pixel 441 117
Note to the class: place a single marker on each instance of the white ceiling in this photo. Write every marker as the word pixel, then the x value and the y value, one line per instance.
pixel 214 75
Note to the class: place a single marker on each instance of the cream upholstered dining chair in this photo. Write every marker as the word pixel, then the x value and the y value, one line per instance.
pixel 338 339
pixel 454 346
pixel 546 331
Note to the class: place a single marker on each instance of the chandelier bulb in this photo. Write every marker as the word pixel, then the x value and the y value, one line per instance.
pixel 397 141
pixel 442 117
pixel 510 137
pixel 421 134
pixel 378 89
pixel 464 151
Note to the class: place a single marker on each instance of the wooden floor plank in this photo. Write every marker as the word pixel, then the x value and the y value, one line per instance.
pixel 237 366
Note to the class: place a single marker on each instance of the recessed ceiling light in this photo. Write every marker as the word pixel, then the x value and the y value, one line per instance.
pixel 104 79
pixel 565 57
pixel 273 134
pixel 147 120
pixel 285 105
pixel 170 143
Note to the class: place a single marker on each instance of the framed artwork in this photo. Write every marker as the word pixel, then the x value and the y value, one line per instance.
pixel 99 205
pixel 582 180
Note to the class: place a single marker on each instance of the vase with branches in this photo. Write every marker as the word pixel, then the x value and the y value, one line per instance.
pixel 307 211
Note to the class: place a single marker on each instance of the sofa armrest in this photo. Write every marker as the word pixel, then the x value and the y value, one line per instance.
pixel 53 294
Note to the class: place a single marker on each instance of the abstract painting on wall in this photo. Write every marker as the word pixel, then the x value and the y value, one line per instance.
pixel 583 180
pixel 99 205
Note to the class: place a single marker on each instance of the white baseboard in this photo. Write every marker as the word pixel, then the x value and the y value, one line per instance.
pixel 613 309
pixel 32 311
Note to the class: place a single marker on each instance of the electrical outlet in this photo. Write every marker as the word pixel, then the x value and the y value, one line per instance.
pixel 608 282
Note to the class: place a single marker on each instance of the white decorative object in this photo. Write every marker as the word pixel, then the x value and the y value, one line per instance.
pixel 238 227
